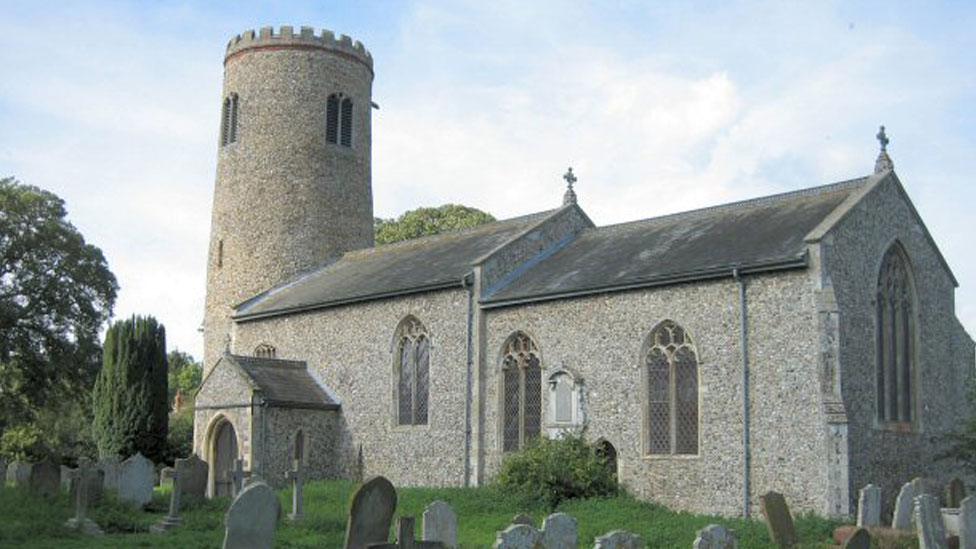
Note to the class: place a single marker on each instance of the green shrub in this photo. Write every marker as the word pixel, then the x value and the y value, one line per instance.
pixel 554 470
pixel 23 443
pixel 179 439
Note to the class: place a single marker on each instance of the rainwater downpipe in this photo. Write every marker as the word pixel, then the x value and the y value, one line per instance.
pixel 467 283
pixel 744 346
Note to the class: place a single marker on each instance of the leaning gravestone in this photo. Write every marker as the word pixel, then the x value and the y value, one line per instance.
pixel 111 467
pixel 371 513
pixel 518 536
pixel 440 524
pixel 955 492
pixel 904 508
pixel 928 522
pixel 252 518
pixel 715 536
pixel 560 530
pixel 869 506
pixel 45 479
pixel 136 476
pixel 193 473
pixel 619 539
pixel 18 473
pixel 967 523
pixel 860 539
pixel 779 521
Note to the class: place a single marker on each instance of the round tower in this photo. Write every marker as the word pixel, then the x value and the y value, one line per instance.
pixel 293 168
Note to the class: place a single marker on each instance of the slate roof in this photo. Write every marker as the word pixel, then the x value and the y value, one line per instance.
pixel 757 234
pixel 284 383
pixel 416 265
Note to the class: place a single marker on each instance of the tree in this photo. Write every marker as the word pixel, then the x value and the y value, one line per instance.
pixel 428 221
pixel 184 374
pixel 56 292
pixel 130 396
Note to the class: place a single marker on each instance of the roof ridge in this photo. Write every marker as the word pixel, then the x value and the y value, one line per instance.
pixel 280 362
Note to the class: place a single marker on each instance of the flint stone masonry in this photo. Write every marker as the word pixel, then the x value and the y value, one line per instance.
pixel 560 530
pixel 252 518
pixel 869 506
pixel 45 479
pixel 440 524
pixel 371 513
pixel 967 523
pixel 136 479
pixel 715 536
pixel 904 508
pixel 928 522
pixel 619 539
pixel 518 536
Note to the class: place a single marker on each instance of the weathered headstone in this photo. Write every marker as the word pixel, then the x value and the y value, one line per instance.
pixel 371 513
pixel 172 519
pixel 904 508
pixel 967 523
pixel 779 521
pixel 96 484
pixel 925 485
pixel 715 536
pixel 955 492
pixel 518 536
pixel 112 468
pixel 619 539
pixel 860 539
pixel 84 479
pixel 45 479
pixel 928 522
pixel 297 478
pixel 136 476
pixel 522 518
pixel 560 530
pixel 252 518
pixel 18 473
pixel 440 524
pixel 193 473
pixel 405 538
pixel 166 476
pixel 869 506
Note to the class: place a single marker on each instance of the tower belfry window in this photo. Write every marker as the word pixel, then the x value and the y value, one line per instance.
pixel 338 120
pixel 228 120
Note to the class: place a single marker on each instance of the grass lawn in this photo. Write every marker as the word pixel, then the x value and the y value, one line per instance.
pixel 26 521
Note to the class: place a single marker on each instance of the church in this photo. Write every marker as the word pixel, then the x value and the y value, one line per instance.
pixel 803 342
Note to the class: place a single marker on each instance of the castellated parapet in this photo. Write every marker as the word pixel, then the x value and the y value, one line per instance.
pixel 287 197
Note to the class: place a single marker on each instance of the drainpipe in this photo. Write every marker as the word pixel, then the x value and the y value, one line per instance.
pixel 467 283
pixel 744 345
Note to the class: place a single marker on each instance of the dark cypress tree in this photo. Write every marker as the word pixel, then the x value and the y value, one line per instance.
pixel 130 395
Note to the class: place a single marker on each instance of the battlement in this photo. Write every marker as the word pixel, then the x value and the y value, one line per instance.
pixel 305 38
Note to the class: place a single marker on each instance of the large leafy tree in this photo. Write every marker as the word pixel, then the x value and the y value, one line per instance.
pixel 56 292
pixel 428 221
pixel 130 395
pixel 185 374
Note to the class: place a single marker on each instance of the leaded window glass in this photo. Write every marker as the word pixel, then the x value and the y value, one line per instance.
pixel 671 374
pixel 522 392
pixel 895 339
pixel 412 372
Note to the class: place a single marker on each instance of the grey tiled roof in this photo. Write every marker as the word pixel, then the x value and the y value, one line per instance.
pixel 411 266
pixel 284 383
pixel 753 234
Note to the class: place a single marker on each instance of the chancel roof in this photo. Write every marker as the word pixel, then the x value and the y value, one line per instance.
pixel 284 383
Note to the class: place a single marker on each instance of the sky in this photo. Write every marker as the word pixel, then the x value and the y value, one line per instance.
pixel 658 106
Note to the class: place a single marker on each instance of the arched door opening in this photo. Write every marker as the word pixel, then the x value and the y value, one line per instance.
pixel 224 455
pixel 608 453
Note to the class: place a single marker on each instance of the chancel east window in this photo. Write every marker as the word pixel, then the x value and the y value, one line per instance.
pixel 338 120
pixel 228 120
pixel 521 392
pixel 265 350
pixel 895 339
pixel 412 372
pixel 670 365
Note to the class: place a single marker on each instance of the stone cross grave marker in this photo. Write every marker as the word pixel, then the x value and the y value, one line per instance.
pixel 715 536
pixel 928 522
pixel 136 476
pixel 518 536
pixel 860 539
pixel 83 478
pixel 18 473
pixel 869 506
pixel 967 523
pixel 172 519
pixel 112 468
pixel 252 518
pixel 405 539
pixel 619 539
pixel 955 492
pixel 779 521
pixel 297 478
pixel 237 476
pixel 904 508
pixel 45 479
pixel 560 530
pixel 440 524
pixel 371 513
pixel 193 473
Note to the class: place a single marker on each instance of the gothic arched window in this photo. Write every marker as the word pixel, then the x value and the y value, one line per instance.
pixel 521 392
pixel 412 372
pixel 895 338
pixel 265 350
pixel 670 365
pixel 228 120
pixel 338 120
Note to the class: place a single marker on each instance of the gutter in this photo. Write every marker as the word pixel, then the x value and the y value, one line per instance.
pixel 467 282
pixel 744 345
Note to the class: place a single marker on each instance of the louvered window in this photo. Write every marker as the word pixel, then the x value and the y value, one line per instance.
pixel 228 120
pixel 671 377
pixel 522 392
pixel 412 372
pixel 345 138
pixel 895 339
pixel 338 120
pixel 332 119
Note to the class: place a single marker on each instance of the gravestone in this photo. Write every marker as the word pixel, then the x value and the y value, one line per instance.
pixel 560 530
pixel 967 523
pixel 522 518
pixel 237 477
pixel 297 478
pixel 440 524
pixel 172 519
pixel 715 536
pixel 904 508
pixel 371 513
pixel 924 485
pixel 3 469
pixel 779 521
pixel 869 506
pixel 252 518
pixel 18 473
pixel 193 473
pixel 111 467
pixel 45 479
pixel 405 539
pixel 518 536
pixel 67 474
pixel 84 478
pixel 96 484
pixel 136 476
pixel 860 539
pixel 955 492
pixel 928 523
pixel 166 476
pixel 619 539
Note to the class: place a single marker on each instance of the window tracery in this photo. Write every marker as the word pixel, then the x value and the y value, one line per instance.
pixel 671 376
pixel 413 372
pixel 522 392
pixel 265 350
pixel 895 339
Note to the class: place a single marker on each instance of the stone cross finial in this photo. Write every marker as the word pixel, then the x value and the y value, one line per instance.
pixel 883 139
pixel 883 163
pixel 297 476
pixel 570 196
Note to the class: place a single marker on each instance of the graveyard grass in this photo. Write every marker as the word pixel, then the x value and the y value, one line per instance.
pixel 34 522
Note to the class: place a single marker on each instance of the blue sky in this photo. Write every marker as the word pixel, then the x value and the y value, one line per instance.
pixel 659 107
